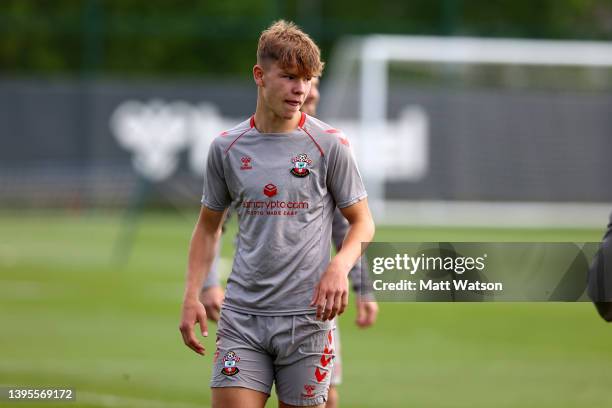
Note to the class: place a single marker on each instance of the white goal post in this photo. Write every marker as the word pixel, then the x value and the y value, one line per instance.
pixel 369 59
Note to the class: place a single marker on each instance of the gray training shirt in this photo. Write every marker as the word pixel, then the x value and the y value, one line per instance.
pixel 360 281
pixel 286 186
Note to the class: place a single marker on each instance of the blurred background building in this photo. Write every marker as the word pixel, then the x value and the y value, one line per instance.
pixel 106 104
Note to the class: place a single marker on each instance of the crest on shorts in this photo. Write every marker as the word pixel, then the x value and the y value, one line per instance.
pixel 301 162
pixel 230 359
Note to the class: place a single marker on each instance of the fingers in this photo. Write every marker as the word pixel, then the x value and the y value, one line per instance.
pixel 190 339
pixel 367 313
pixel 334 304
pixel 331 295
pixel 203 323
pixel 338 308
pixel 212 299
pixel 330 310
pixel 213 311
pixel 318 300
pixel 361 314
pixel 344 303
pixel 373 313
pixel 315 296
pixel 193 313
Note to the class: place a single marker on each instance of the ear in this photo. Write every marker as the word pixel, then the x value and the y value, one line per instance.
pixel 258 74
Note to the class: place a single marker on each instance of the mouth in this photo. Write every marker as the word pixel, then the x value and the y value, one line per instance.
pixel 293 103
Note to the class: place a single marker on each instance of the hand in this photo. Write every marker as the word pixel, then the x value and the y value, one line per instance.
pixel 331 293
pixel 367 311
pixel 212 299
pixel 193 312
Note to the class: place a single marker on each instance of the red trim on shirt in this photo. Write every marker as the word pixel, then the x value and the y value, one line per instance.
pixel 341 136
pixel 300 126
pixel 302 120
pixel 300 123
pixel 252 125
pixel 310 136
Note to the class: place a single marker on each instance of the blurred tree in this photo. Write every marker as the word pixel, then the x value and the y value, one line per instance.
pixel 199 38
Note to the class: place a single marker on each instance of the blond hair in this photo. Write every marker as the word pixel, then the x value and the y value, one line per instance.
pixel 286 44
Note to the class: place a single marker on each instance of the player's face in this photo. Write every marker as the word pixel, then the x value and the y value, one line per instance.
pixel 312 100
pixel 284 90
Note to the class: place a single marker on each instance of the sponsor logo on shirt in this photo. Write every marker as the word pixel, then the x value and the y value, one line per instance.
pixel 275 204
pixel 301 162
pixel 273 207
pixel 270 190
pixel 246 163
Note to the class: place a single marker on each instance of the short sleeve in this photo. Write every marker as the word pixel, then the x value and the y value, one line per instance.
pixel 216 194
pixel 343 178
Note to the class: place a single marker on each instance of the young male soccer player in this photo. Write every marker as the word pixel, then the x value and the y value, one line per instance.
pixel 286 171
pixel 212 294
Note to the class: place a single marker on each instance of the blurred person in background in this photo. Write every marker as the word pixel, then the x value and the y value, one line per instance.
pixel 600 277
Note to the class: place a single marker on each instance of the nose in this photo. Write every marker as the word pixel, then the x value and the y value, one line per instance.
pixel 301 87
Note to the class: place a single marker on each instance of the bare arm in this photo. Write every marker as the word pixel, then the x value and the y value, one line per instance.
pixel 366 305
pixel 331 294
pixel 201 255
pixel 212 293
pixel 213 275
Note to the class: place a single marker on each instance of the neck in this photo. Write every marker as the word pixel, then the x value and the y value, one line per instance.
pixel 267 121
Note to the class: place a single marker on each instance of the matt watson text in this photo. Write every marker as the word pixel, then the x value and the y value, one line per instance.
pixel 437 286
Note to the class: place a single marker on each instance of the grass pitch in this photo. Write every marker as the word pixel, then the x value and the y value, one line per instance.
pixel 73 315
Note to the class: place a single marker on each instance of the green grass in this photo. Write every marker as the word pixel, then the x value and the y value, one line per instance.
pixel 72 315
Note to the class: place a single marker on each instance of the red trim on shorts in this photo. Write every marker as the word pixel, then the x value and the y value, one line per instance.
pixel 252 123
pixel 328 351
pixel 320 376
pixel 325 361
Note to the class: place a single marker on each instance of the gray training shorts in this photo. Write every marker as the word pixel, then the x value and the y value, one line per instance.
pixel 294 352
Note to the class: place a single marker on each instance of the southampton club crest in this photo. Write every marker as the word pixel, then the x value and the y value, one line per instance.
pixel 301 162
pixel 230 359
